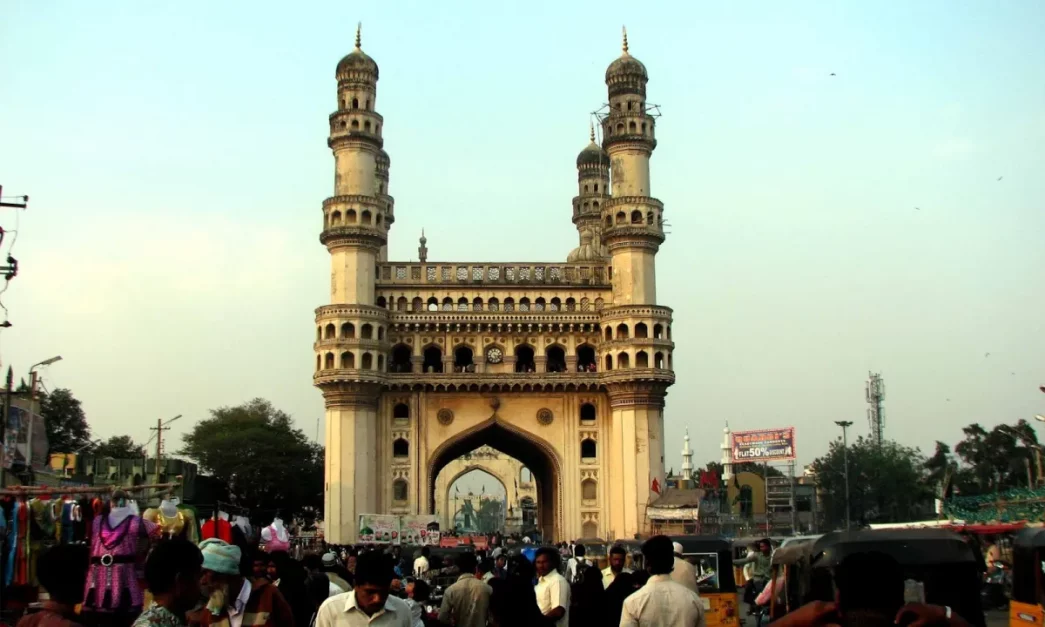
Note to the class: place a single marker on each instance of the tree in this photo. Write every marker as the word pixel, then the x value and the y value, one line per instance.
pixel 998 459
pixel 266 462
pixel 118 447
pixel 67 429
pixel 887 482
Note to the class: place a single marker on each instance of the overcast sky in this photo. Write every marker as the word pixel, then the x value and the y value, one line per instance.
pixel 822 226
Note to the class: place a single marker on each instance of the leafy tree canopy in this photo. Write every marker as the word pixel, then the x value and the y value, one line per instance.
pixel 118 447
pixel 886 483
pixel 67 429
pixel 267 463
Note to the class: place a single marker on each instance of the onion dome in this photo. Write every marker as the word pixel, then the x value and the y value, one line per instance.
pixel 593 154
pixel 626 65
pixel 357 60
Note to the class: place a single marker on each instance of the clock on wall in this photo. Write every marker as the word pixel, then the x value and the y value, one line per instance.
pixel 494 355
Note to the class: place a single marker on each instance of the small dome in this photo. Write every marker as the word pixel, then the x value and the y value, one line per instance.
pixel 357 60
pixel 627 65
pixel 593 154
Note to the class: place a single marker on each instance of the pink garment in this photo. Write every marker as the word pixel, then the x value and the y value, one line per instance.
pixel 272 541
pixel 765 595
pixel 112 580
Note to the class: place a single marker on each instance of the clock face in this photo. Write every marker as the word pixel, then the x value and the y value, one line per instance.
pixel 494 355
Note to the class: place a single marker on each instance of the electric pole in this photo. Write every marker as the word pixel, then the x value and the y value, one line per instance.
pixel 845 424
pixel 875 394
pixel 160 427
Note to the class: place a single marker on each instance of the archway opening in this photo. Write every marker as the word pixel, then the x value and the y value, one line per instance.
pixel 556 359
pixel 525 451
pixel 433 361
pixel 476 500
pixel 524 359
pixel 463 359
pixel 585 358
pixel 401 359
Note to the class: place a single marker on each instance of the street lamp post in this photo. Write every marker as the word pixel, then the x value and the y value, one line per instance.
pixel 845 424
pixel 34 382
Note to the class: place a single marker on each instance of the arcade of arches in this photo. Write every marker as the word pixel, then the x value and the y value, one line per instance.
pixel 518 510
pixel 561 365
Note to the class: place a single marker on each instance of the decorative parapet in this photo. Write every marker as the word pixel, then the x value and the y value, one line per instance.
pixel 452 275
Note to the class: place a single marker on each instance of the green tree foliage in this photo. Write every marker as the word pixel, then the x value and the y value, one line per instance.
pixel 886 483
pixel 267 463
pixel 998 459
pixel 67 429
pixel 118 447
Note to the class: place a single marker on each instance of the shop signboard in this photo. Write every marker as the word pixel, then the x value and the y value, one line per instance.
pixel 765 445
pixel 378 529
pixel 419 530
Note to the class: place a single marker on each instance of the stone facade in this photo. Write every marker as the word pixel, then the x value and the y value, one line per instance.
pixel 564 366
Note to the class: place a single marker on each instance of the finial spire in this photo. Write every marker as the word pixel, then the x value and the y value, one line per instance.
pixel 422 250
pixel 624 31
pixel 359 37
pixel 591 126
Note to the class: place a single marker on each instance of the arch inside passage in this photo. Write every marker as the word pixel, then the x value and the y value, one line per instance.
pixel 532 452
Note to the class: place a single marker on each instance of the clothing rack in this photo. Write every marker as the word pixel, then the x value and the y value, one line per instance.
pixel 42 490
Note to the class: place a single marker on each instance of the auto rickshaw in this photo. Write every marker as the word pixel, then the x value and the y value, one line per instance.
pixel 712 557
pixel 939 567
pixel 1027 604
pixel 790 572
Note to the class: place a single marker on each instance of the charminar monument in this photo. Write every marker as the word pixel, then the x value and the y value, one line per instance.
pixel 562 365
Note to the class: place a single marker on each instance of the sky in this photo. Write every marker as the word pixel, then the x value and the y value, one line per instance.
pixel 821 226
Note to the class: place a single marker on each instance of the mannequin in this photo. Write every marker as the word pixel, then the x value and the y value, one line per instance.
pixel 275 536
pixel 173 521
pixel 112 581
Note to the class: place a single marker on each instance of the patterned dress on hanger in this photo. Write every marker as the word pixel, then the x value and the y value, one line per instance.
pixel 112 581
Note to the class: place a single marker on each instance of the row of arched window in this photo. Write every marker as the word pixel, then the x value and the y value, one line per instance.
pixel 335 218
pixel 354 125
pixel 347 361
pixel 355 104
pixel 463 359
pixel 636 218
pixel 641 332
pixel 492 304
pixel 631 129
pixel 348 332
pixel 641 360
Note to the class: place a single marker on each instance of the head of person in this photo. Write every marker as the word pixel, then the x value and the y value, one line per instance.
pixel 278 561
pixel 373 581
pixel 578 551
pixel 172 572
pixel 765 546
pixel 62 571
pixel 618 557
pixel 521 568
pixel 221 574
pixel 676 549
pixel 466 563
pixel 659 555
pixel 329 561
pixel 419 591
pixel 259 564
pixel 351 562
pixel 546 561
pixel 869 589
pixel 501 561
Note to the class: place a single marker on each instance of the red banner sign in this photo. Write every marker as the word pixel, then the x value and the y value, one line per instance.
pixel 765 445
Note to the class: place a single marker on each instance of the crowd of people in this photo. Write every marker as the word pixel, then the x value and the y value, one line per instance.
pixel 222 584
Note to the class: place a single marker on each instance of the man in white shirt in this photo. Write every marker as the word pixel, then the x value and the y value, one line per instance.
pixel 683 572
pixel 552 590
pixel 618 557
pixel 421 563
pixel 576 563
pixel 369 604
pixel 662 602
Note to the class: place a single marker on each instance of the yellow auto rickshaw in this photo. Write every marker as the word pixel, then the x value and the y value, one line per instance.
pixel 712 558
pixel 1027 603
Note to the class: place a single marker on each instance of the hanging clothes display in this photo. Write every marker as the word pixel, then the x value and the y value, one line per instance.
pixel 219 528
pixel 276 537
pixel 173 521
pixel 116 549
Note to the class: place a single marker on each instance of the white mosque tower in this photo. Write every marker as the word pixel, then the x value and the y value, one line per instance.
pixel 727 456
pixel 687 463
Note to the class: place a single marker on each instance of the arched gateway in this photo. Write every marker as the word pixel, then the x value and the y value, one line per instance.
pixel 551 363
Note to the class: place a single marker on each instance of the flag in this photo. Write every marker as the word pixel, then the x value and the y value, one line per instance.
pixel 457 489
pixel 655 486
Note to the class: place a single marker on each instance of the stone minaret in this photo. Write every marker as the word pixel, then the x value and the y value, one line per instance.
pixel 727 456
pixel 351 340
pixel 636 330
pixel 687 463
pixel 593 189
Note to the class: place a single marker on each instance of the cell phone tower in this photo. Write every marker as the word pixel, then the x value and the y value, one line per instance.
pixel 875 392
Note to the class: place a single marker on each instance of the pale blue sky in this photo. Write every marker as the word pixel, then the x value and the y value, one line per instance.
pixel 176 160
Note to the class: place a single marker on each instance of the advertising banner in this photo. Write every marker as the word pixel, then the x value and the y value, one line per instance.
pixel 419 530
pixel 378 529
pixel 766 445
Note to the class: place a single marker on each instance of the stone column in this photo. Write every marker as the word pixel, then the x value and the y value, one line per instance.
pixel 636 454
pixel 351 469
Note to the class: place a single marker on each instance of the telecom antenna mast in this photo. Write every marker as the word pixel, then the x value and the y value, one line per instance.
pixel 875 391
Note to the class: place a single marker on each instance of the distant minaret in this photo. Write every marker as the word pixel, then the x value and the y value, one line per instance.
pixel 687 463
pixel 727 456
pixel 422 250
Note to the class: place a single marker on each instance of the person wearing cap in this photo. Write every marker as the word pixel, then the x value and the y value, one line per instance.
pixel 331 569
pixel 662 601
pixel 500 563
pixel 233 598
pixel 683 572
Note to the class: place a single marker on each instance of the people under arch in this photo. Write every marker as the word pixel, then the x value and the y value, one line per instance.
pixel 524 359
pixel 433 359
pixel 586 359
pixel 463 359
pixel 555 359
pixel 401 361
